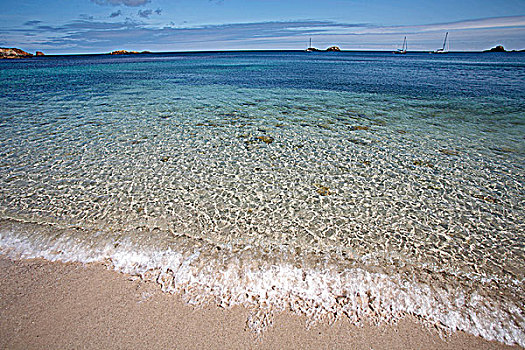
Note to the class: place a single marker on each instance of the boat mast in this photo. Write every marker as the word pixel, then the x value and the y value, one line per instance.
pixel 405 46
pixel 310 42
pixel 444 42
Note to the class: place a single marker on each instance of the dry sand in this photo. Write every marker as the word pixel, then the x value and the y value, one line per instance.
pixel 51 305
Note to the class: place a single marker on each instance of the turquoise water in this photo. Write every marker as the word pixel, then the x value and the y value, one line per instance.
pixel 360 185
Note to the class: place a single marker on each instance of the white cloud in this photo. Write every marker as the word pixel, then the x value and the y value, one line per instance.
pixel 131 3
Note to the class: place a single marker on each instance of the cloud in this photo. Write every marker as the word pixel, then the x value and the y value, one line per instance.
pixel 145 13
pixel 32 23
pixel 86 17
pixel 85 35
pixel 482 23
pixel 115 14
pixel 158 11
pixel 130 3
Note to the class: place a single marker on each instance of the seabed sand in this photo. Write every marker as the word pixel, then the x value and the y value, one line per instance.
pixel 53 305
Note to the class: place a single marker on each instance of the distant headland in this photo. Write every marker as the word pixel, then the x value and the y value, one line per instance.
pixel 16 53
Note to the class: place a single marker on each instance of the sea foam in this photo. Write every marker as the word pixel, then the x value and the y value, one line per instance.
pixel 272 279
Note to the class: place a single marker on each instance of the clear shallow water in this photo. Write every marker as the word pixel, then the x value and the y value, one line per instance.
pixel 363 185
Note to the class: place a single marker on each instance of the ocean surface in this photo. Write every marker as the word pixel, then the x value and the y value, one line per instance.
pixel 336 184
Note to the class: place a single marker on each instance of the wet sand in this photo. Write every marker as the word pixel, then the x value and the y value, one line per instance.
pixel 56 305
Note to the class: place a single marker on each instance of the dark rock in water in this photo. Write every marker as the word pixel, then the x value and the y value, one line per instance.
pixel 333 48
pixel 498 48
pixel 359 142
pixel 258 139
pixel 360 127
pixel 164 159
pixel 423 163
pixel 322 190
pixel 486 198
pixel 449 152
pixel 40 53
pixel 13 53
pixel 265 139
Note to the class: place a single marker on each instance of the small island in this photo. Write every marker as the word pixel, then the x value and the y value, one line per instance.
pixel 330 49
pixel 124 52
pixel 498 48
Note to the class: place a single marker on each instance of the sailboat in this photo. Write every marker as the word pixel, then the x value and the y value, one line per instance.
pixel 311 48
pixel 442 50
pixel 403 49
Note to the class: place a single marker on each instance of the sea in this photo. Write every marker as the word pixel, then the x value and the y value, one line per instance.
pixel 359 185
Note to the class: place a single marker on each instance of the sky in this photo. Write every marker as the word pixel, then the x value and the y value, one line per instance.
pixel 99 26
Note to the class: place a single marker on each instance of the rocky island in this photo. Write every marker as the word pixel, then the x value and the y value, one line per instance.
pixel 124 52
pixel 498 48
pixel 331 48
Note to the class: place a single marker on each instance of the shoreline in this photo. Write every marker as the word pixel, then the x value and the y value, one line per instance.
pixel 72 305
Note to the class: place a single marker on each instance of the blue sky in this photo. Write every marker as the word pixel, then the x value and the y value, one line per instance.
pixel 96 26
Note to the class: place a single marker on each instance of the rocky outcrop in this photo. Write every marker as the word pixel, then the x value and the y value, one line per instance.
pixel 333 48
pixel 13 53
pixel 498 48
pixel 40 53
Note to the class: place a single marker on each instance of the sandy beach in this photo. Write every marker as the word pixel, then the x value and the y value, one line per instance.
pixel 56 305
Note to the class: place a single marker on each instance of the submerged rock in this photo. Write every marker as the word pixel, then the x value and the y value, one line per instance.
pixel 359 142
pixel 258 139
pixel 486 198
pixel 322 190
pixel 265 139
pixel 423 163
pixel 360 127
pixel 449 152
